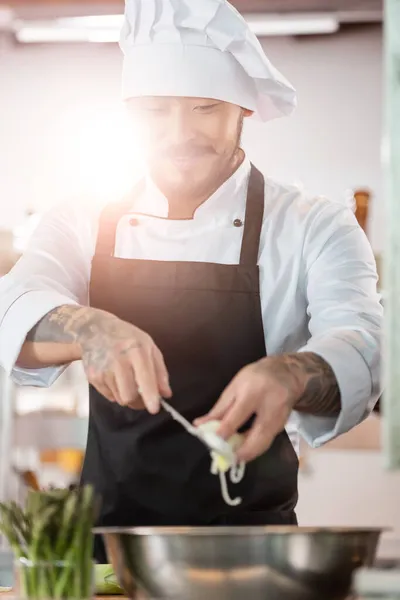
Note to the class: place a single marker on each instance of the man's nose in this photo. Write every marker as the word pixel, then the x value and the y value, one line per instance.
pixel 180 128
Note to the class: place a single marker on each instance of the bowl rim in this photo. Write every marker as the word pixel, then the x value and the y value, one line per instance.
pixel 239 530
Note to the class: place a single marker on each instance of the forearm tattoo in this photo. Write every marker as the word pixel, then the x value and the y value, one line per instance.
pixel 310 381
pixel 61 325
pixel 101 335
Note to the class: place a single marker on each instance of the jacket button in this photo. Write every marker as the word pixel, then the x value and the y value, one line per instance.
pixel 133 222
pixel 238 223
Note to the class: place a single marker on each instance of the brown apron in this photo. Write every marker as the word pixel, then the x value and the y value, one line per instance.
pixel 206 319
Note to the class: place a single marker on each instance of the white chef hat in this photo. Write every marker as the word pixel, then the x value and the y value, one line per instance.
pixel 199 48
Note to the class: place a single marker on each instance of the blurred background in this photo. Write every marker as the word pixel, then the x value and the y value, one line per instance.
pixel 63 137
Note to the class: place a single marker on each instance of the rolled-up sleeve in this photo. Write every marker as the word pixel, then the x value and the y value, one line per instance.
pixel 345 320
pixel 53 271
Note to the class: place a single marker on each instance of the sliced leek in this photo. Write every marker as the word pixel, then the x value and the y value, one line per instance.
pixel 221 466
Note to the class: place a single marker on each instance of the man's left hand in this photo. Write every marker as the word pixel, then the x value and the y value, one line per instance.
pixel 259 390
pixel 271 389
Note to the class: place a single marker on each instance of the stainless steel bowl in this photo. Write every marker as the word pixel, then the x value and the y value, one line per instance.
pixel 239 563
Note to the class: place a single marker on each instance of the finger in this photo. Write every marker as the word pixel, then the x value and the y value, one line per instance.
pixel 110 382
pixel 220 409
pixel 236 416
pixel 161 373
pixel 126 384
pixel 257 441
pixel 104 390
pixel 146 380
pixel 98 382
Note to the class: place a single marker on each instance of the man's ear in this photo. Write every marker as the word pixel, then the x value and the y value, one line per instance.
pixel 247 112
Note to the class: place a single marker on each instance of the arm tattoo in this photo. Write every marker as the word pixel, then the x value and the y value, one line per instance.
pixel 309 379
pixel 61 325
pixel 99 333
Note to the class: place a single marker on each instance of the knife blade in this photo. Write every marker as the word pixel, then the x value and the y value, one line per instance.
pixel 213 441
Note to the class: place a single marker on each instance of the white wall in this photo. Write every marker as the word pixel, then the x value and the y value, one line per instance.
pixel 331 144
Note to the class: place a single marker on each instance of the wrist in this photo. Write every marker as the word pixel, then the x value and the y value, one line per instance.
pixel 317 392
pixel 90 325
pixel 83 324
pixel 286 370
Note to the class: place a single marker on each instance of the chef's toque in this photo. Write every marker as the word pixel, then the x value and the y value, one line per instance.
pixel 199 48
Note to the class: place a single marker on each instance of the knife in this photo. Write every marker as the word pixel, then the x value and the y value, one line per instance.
pixel 214 442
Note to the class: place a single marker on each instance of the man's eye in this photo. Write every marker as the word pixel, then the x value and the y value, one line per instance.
pixel 206 108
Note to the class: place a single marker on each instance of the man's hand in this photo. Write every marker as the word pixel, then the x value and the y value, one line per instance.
pixel 271 389
pixel 118 358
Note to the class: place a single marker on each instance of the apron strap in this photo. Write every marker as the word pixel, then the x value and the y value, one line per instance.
pixel 254 219
pixel 108 222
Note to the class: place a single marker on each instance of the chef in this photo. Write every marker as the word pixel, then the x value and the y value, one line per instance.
pixel 234 296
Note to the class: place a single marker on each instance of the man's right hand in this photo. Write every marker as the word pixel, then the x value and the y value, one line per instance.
pixel 121 361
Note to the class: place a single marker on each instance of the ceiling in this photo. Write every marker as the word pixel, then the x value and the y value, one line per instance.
pixel 27 21
pixel 53 8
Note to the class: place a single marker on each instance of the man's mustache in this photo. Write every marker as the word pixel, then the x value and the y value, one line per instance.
pixel 187 152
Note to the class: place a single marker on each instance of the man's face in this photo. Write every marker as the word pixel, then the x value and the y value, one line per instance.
pixel 188 142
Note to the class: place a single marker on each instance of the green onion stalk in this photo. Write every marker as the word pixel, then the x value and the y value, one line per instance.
pixel 52 541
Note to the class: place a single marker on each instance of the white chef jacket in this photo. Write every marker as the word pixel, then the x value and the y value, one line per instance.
pixel 317 280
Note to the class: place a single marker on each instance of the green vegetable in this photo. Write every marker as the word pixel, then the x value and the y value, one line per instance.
pixel 53 540
pixel 106 582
